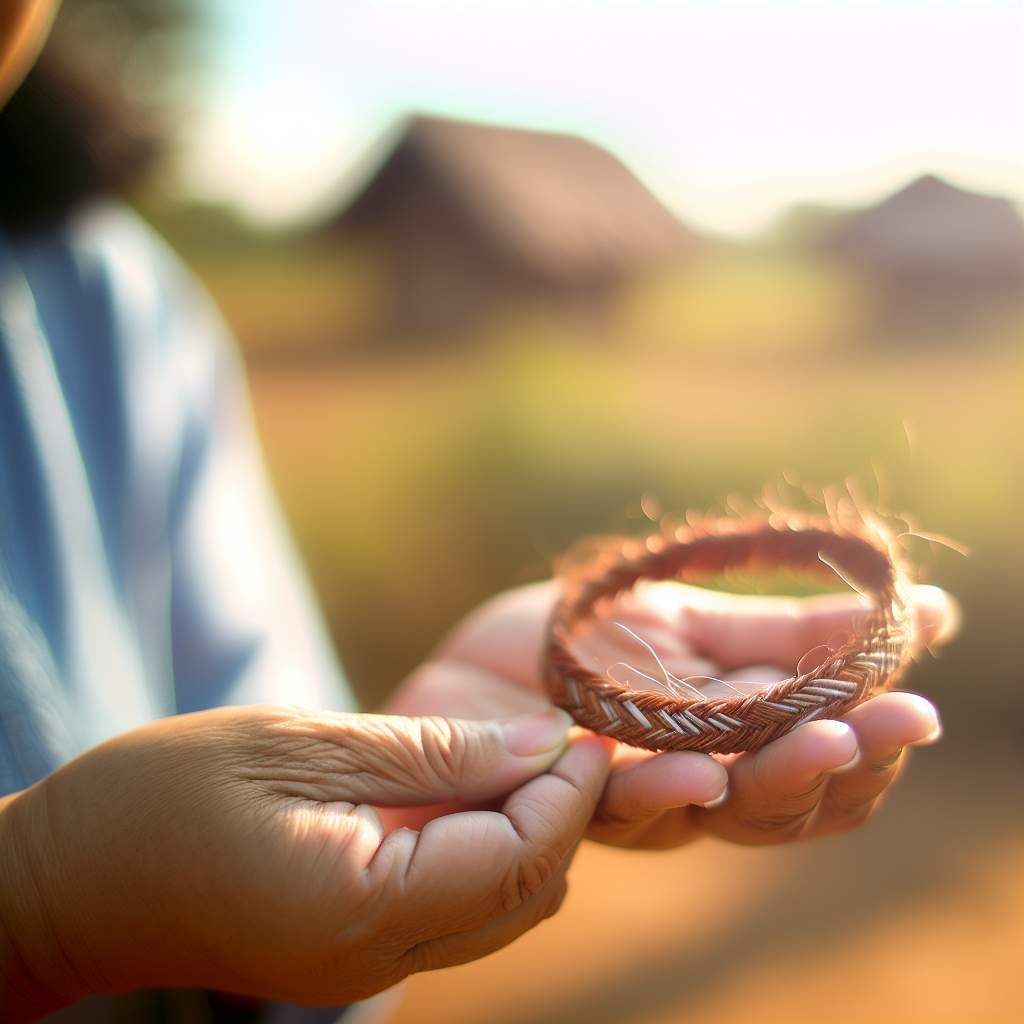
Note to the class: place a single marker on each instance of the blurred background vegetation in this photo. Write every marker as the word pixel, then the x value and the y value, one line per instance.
pixel 422 475
pixel 429 459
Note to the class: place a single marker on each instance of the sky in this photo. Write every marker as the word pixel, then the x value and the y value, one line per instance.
pixel 730 111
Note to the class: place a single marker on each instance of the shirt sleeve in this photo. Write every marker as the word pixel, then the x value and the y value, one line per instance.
pixel 244 624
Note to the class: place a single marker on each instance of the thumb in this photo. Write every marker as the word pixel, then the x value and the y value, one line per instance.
pixel 398 761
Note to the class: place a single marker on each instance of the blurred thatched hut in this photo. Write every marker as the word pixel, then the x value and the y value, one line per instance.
pixel 471 216
pixel 936 255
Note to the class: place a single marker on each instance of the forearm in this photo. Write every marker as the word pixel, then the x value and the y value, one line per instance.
pixel 36 975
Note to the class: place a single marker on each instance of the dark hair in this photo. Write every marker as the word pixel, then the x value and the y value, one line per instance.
pixel 92 114
pixel 64 139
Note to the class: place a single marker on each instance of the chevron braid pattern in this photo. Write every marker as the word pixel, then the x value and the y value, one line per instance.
pixel 871 661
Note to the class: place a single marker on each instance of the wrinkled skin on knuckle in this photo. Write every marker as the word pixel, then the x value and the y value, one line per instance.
pixel 456 756
pixel 446 752
pixel 534 869
pixel 767 825
pixel 304 754
pixel 281 749
pixel 297 753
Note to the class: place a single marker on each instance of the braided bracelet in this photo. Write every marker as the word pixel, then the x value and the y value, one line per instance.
pixel 870 661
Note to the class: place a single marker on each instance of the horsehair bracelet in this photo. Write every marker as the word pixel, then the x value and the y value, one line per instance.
pixel 873 659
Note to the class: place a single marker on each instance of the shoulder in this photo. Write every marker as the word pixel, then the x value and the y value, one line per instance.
pixel 104 268
pixel 164 324
pixel 138 268
pixel 140 349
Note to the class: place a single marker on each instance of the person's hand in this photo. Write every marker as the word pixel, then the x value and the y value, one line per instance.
pixel 239 849
pixel 823 777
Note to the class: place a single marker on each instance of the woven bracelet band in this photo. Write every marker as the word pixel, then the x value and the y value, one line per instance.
pixel 872 660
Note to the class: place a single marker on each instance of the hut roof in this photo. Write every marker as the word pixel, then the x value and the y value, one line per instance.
pixel 558 204
pixel 932 225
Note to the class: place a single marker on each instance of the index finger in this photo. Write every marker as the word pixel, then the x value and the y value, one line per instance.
pixel 463 870
pixel 546 819
pixel 551 812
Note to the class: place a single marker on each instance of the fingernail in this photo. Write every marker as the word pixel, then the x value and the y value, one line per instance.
pixel 536 734
pixel 718 800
